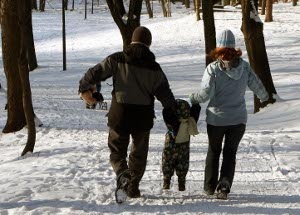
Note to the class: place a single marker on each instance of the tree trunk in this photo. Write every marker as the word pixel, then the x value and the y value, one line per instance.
pixel 269 9
pixel 24 15
pixel 34 4
pixel 126 26
pixel 263 7
pixel 42 5
pixel 226 2
pixel 66 4
pixel 149 8
pixel 10 53
pixel 255 45
pixel 164 9
pixel 294 2
pixel 209 28
pixel 197 6
pixel 187 3
pixel 31 55
pixel 16 15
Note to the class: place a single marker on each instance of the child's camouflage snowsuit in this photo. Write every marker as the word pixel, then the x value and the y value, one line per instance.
pixel 176 155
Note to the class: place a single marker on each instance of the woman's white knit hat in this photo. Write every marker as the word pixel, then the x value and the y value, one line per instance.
pixel 225 39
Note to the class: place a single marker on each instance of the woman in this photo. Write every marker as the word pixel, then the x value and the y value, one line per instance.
pixel 224 84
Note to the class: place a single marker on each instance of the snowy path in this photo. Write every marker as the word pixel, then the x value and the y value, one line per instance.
pixel 72 175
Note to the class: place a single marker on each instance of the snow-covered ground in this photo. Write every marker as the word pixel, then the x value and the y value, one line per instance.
pixel 72 174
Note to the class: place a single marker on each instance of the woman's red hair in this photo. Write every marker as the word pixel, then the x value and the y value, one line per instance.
pixel 225 53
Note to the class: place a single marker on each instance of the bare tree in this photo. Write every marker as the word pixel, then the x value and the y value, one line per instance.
pixel 187 3
pixel 126 22
pixel 42 5
pixel 269 11
pixel 30 52
pixel 197 5
pixel 263 7
pixel 294 2
pixel 209 27
pixel 166 8
pixel 149 8
pixel 66 4
pixel 34 4
pixel 14 15
pixel 252 28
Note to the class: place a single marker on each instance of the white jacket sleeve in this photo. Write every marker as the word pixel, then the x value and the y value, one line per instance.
pixel 256 86
pixel 207 89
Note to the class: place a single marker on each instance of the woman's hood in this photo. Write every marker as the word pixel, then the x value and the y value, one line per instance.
pixel 233 69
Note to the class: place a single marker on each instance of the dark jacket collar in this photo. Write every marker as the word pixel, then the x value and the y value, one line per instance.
pixel 139 55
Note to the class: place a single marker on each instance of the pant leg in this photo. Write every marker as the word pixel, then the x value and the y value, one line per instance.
pixel 168 161
pixel 233 137
pixel 215 139
pixel 183 160
pixel 138 155
pixel 118 144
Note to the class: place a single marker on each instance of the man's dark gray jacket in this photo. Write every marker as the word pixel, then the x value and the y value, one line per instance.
pixel 137 80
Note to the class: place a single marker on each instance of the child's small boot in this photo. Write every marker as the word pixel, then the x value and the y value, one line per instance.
pixel 181 185
pixel 166 185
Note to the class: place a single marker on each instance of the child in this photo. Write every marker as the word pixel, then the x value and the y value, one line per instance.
pixel 177 148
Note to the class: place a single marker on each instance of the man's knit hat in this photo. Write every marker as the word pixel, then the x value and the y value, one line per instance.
pixel 225 39
pixel 142 35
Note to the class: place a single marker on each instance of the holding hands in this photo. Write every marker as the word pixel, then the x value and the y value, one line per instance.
pixel 192 99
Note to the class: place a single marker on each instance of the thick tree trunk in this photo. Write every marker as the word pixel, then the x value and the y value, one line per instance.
pixel 15 18
pixel 10 53
pixel 255 45
pixel 209 28
pixel 126 25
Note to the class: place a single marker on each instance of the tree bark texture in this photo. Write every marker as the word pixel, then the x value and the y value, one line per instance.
pixel 209 28
pixel 294 2
pixel 34 4
pixel 149 8
pixel 263 7
pixel 269 11
pixel 255 45
pixel 10 52
pixel 24 14
pixel 42 5
pixel 15 33
pixel 197 9
pixel 31 55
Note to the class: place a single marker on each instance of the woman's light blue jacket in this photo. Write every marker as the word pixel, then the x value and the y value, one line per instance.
pixel 225 90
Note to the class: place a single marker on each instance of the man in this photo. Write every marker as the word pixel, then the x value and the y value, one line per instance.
pixel 137 80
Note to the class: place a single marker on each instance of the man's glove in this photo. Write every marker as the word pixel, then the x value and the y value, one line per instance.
pixel 171 119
